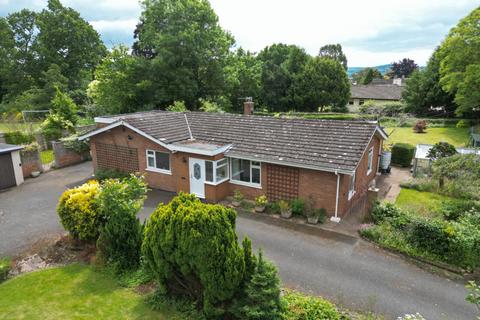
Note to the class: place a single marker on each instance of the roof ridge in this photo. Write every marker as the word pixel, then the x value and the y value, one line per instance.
pixel 188 126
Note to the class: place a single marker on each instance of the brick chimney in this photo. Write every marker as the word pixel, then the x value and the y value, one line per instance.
pixel 248 106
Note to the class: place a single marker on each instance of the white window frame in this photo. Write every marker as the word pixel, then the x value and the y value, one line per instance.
pixel 154 168
pixel 252 166
pixel 370 161
pixel 351 186
pixel 214 168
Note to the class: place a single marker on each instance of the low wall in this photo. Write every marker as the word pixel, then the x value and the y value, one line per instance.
pixel 30 162
pixel 66 157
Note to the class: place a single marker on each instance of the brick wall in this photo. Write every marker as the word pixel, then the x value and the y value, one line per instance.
pixel 30 162
pixel 66 157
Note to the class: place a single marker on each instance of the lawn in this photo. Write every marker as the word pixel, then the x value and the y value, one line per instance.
pixel 455 136
pixel 47 156
pixel 8 127
pixel 73 292
pixel 422 203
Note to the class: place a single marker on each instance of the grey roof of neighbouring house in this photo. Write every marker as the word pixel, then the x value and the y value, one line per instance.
pixel 376 92
pixel 5 147
pixel 318 144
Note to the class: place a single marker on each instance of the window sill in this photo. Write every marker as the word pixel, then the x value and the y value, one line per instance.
pixel 246 184
pixel 216 183
pixel 350 195
pixel 159 171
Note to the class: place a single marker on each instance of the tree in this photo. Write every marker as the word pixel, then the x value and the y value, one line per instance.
pixel 262 294
pixel 335 52
pixel 64 107
pixel 193 251
pixel 322 83
pixel 177 106
pixel 69 41
pixel 441 150
pixel 186 47
pixel 423 92
pixel 460 54
pixel 402 68
pixel 366 75
pixel 281 67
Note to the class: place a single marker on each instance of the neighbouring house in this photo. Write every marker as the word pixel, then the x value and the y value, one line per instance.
pixel 422 164
pixel 213 154
pixel 10 166
pixel 375 92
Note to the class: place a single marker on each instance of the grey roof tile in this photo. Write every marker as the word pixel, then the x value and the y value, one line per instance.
pixel 376 92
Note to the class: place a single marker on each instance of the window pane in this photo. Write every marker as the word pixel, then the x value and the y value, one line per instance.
pixel 163 160
pixel 255 163
pixel 151 162
pixel 255 175
pixel 241 170
pixel 209 171
pixel 222 172
pixel 150 153
pixel 221 162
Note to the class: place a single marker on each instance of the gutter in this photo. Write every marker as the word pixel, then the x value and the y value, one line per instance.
pixel 336 218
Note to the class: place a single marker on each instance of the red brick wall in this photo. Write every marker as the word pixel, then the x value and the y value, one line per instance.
pixel 30 162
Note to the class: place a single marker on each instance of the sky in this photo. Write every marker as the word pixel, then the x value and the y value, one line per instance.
pixel 372 32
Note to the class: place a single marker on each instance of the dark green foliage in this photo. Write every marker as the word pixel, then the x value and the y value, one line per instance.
pixel 249 258
pixel 303 307
pixel 298 207
pixel 441 150
pixel 334 52
pixel 454 209
pixel 389 212
pixel 5 266
pixel 120 238
pixel 402 154
pixel 64 106
pixel 103 174
pixel 54 126
pixel 429 235
pixel 19 137
pixel 192 249
pixel 262 294
pixel 78 146
pixel 366 75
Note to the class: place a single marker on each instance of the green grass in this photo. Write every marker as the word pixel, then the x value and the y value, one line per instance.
pixel 455 136
pixel 8 127
pixel 47 156
pixel 420 202
pixel 73 292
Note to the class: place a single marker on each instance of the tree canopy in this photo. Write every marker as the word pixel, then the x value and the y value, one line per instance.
pixel 335 52
pixel 402 68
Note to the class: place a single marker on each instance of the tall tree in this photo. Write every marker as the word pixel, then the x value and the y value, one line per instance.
pixel 281 66
pixel 69 41
pixel 402 68
pixel 460 63
pixel 423 92
pixel 187 47
pixel 366 75
pixel 335 52
pixel 323 83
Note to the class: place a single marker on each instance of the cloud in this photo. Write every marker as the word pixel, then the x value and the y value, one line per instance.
pixel 372 32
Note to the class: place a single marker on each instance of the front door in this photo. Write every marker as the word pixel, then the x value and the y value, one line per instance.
pixel 197 177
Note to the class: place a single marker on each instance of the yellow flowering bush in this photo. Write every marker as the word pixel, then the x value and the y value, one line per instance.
pixel 78 211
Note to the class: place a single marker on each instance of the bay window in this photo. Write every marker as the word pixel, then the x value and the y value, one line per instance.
pixel 158 161
pixel 216 171
pixel 246 171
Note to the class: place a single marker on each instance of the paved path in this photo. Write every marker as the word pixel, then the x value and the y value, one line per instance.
pixel 350 273
pixel 27 212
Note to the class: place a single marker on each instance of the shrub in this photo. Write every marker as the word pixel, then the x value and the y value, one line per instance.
pixel 273 207
pixel 430 235
pixel 19 137
pixel 103 174
pixel 384 211
pixel 302 307
pixel 473 294
pixel 120 238
pixel 5 266
pixel 402 154
pixel 192 250
pixel 462 124
pixel 284 205
pixel 261 201
pixel 237 195
pixel 441 150
pixel 54 125
pixel 262 294
pixel 79 146
pixel 454 209
pixel 419 184
pixel 298 207
pixel 79 212
pixel 177 106
pixel 420 126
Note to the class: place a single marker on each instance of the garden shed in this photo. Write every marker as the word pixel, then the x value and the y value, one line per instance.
pixel 422 164
pixel 10 166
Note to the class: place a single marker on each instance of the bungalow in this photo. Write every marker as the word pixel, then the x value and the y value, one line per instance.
pixel 213 154
pixel 376 92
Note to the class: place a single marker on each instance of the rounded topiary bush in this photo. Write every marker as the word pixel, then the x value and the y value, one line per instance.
pixel 192 250
pixel 79 213
pixel 402 154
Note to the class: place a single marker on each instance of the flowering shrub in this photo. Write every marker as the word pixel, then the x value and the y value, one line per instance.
pixel 79 212
pixel 261 201
pixel 303 307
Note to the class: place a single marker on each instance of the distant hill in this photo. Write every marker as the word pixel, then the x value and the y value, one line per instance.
pixel 383 69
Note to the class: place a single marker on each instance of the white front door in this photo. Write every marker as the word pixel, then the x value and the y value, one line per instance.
pixel 197 177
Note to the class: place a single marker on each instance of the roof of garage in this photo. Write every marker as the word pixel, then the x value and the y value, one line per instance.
pixel 5 147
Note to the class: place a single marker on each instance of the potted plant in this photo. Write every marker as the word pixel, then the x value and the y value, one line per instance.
pixel 237 198
pixel 260 203
pixel 314 216
pixel 285 209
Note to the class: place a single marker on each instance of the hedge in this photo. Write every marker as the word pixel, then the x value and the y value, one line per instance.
pixel 402 154
pixel 18 137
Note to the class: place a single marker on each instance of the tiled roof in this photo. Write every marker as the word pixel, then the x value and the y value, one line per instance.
pixel 376 92
pixel 318 144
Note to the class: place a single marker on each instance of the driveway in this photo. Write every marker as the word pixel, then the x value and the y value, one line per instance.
pixel 27 212
pixel 352 274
